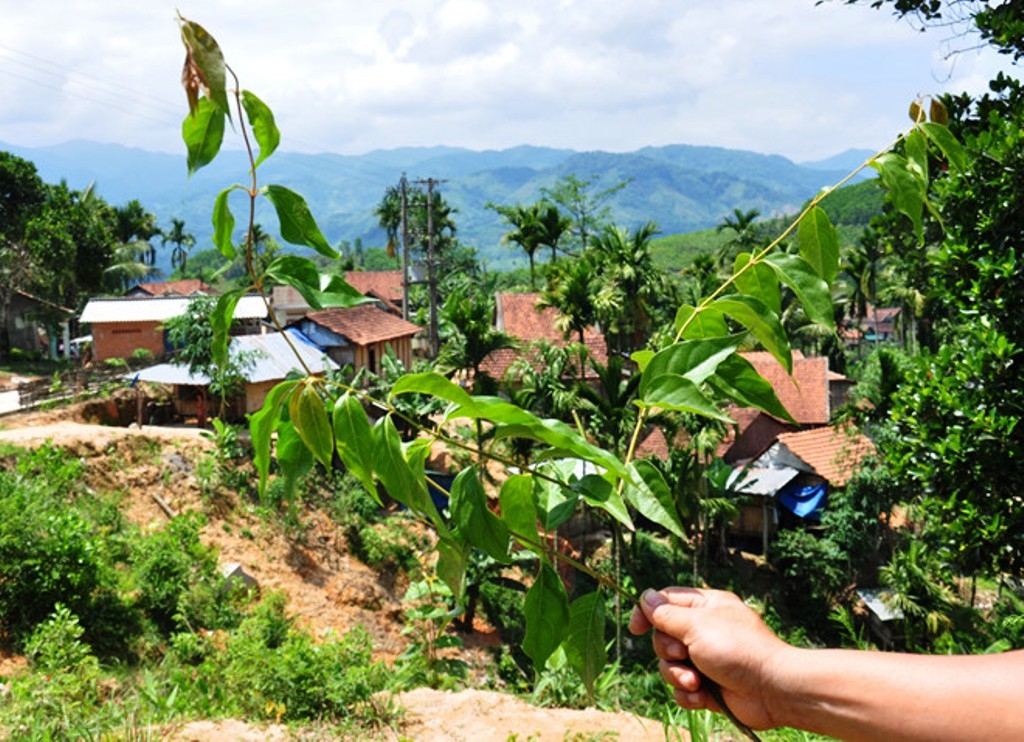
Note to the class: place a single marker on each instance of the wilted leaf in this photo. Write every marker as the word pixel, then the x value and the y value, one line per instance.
pixel 204 66
pixel 937 112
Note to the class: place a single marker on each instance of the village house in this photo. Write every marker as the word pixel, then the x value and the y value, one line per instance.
pixel 359 336
pixel 273 357
pixel 184 287
pixel 27 318
pixel 123 326
pixel 519 316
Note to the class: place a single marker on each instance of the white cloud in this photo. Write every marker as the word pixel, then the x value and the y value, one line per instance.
pixel 787 76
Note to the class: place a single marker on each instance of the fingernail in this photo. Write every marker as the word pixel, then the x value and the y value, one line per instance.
pixel 652 598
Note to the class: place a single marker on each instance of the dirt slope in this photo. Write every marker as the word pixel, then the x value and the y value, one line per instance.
pixel 327 588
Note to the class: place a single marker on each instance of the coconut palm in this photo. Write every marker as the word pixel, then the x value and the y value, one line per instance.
pixel 181 240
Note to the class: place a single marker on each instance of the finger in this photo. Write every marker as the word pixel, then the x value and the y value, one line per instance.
pixel 668 647
pixel 693 700
pixel 680 676
pixel 665 609
pixel 638 623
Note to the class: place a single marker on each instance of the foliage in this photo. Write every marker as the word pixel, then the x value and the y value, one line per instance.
pixel 697 370
pixel 179 586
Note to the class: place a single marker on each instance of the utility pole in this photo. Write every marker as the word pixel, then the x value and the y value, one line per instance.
pixel 403 186
pixel 435 341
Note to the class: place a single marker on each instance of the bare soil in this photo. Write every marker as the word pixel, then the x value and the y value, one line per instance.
pixel 328 589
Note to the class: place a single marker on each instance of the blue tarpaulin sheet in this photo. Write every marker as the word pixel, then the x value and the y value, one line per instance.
pixel 804 501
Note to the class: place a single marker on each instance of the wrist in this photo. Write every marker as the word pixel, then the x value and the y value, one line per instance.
pixel 786 685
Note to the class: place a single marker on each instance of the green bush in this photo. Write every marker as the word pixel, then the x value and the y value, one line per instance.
pixel 57 547
pixel 178 583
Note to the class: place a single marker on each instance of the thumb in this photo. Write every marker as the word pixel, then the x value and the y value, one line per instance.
pixel 666 610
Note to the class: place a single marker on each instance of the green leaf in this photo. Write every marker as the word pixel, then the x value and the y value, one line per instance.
pixel 224 224
pixel 679 393
pixel 585 646
pixel 403 475
pixel 916 148
pixel 518 509
pixel 203 134
pixel 907 192
pixel 473 520
pixel 819 244
pixel 598 492
pixel 809 287
pixel 263 126
pixel 299 273
pixel 564 442
pixel 296 220
pixel 337 292
pixel 435 385
pixel 452 562
pixel 546 610
pixel 262 425
pixel 647 491
pixel 762 323
pixel 704 323
pixel 948 145
pixel 220 319
pixel 758 281
pixel 309 416
pixel 293 456
pixel 353 437
pixel 738 380
pixel 555 502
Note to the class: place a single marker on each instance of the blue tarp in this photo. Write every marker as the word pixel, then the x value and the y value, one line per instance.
pixel 804 501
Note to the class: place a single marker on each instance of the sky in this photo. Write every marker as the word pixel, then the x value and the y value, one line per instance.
pixel 350 76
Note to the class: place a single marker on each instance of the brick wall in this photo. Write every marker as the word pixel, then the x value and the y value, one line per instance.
pixel 121 339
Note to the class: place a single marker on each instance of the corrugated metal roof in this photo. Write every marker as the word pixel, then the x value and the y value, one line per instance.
pixel 158 309
pixel 274 360
pixel 759 481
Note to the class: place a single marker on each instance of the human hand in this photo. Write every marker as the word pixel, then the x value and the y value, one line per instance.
pixel 719 635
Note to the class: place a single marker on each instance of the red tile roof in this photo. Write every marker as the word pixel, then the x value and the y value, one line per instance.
pixel 364 324
pixel 184 287
pixel 383 285
pixel 835 453
pixel 520 317
pixel 806 393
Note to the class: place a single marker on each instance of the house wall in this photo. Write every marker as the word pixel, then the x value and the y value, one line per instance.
pixel 122 339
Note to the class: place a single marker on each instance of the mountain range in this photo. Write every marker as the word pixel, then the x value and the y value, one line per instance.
pixel 682 188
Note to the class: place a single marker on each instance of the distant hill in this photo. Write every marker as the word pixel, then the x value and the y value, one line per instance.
pixel 680 187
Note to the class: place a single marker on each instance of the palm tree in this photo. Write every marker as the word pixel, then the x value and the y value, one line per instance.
pixel 471 335
pixel 134 256
pixel 745 235
pixel 183 242
pixel 526 230
pixel 629 285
